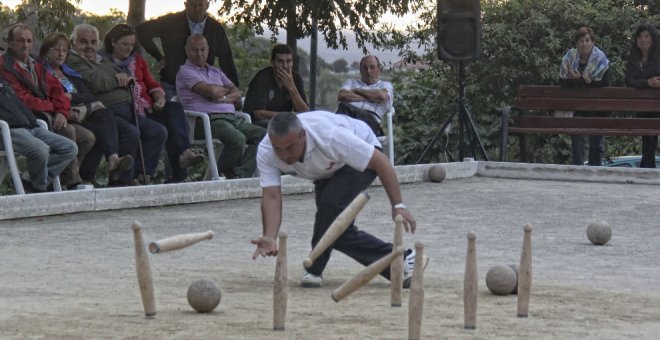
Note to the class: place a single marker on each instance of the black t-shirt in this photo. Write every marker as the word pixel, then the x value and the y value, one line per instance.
pixel 264 94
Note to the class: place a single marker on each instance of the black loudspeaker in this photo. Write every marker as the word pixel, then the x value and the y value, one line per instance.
pixel 459 29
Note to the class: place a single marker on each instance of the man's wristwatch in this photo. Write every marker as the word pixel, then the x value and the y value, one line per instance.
pixel 399 206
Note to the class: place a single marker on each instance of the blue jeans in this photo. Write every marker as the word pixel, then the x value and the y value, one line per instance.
pixel 333 195
pixel 47 154
pixel 596 143
pixel 596 150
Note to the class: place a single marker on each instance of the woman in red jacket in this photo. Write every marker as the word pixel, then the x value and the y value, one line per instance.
pixel 114 136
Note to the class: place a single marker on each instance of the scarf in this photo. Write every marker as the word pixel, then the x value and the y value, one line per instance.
pixel 67 85
pixel 596 65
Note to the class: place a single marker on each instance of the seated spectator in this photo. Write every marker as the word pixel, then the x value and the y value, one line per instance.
pixel 47 153
pixel 585 66
pixel 112 87
pixel 42 93
pixel 149 97
pixel 173 29
pixel 276 88
pixel 643 71
pixel 202 87
pixel 54 50
pixel 368 94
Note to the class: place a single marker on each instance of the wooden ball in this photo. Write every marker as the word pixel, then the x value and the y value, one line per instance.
pixel 515 270
pixel 203 296
pixel 437 173
pixel 599 232
pixel 501 280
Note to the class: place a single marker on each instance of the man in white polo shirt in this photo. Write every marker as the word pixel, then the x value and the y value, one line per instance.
pixel 367 98
pixel 342 155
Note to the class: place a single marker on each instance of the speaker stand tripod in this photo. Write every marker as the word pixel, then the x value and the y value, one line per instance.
pixel 465 122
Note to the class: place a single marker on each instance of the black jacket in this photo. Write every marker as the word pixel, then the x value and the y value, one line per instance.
pixel 83 94
pixel 12 110
pixel 173 31
pixel 638 75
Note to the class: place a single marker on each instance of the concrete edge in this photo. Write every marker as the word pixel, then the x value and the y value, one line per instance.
pixel 574 173
pixel 22 206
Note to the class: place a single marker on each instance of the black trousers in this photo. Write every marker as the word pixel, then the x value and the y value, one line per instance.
pixel 649 145
pixel 113 135
pixel 178 141
pixel 333 195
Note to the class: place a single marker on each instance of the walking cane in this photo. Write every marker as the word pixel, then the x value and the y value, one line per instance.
pixel 131 87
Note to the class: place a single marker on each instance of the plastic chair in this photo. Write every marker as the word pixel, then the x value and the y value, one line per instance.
pixel 8 160
pixel 389 137
pixel 213 146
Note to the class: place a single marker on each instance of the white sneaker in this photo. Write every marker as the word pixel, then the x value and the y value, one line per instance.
pixel 409 265
pixel 310 280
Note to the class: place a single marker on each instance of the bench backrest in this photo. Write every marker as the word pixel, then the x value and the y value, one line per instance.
pixel 588 123
pixel 536 97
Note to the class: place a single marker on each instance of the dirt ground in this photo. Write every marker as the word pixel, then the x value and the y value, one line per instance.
pixel 73 276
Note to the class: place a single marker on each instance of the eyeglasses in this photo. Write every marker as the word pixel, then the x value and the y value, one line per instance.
pixel 61 50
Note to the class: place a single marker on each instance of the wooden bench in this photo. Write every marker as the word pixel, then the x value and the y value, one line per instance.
pixel 605 99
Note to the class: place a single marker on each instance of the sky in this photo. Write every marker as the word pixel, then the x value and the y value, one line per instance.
pixel 156 8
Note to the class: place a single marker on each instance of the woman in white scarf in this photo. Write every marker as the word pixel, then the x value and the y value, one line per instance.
pixel 585 66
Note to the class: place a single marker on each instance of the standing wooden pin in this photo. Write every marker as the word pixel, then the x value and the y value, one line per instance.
pixel 525 274
pixel 396 268
pixel 280 287
pixel 470 283
pixel 416 302
pixel 144 273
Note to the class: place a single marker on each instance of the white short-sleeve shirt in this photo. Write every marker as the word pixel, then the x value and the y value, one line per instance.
pixel 332 141
pixel 378 108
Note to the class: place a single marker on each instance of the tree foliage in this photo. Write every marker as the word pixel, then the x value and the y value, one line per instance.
pixel 47 16
pixel 44 16
pixel 340 65
pixel 104 22
pixel 522 42
pixel 359 16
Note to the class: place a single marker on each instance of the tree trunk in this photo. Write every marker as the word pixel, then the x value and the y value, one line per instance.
pixel 291 34
pixel 312 56
pixel 135 12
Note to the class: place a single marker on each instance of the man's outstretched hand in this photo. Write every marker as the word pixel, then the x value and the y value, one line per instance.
pixel 409 223
pixel 266 246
